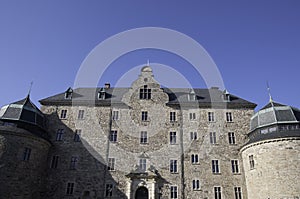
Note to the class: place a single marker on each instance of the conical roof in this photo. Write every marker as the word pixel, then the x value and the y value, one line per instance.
pixel 24 111
pixel 274 113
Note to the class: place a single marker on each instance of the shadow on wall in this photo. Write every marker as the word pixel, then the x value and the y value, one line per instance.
pixel 73 172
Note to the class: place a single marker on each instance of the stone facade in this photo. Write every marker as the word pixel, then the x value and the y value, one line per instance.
pixel 144 142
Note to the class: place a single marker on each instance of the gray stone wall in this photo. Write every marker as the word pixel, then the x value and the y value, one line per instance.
pixel 22 179
pixel 276 169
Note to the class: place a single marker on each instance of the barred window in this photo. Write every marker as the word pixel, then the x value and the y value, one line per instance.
pixel 113 136
pixel 237 193
pixel 145 92
pixel 231 138
pixel 54 162
pixel 80 114
pixel 172 137
pixel 70 188
pixel 211 116
pixel 143 164
pixel 172 116
pixel 235 166
pixel 215 166
pixel 218 193
pixel 59 134
pixel 144 116
pixel 251 161
pixel 229 117
pixel 63 114
pixel 194 158
pixel 77 135
pixel 194 135
pixel 173 166
pixel 196 184
pixel 212 137
pixel 144 138
pixel 173 190
pixel 26 154
pixel 111 164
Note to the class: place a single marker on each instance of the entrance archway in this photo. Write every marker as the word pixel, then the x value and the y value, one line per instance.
pixel 142 193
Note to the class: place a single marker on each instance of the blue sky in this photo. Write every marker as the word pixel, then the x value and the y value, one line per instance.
pixel 251 42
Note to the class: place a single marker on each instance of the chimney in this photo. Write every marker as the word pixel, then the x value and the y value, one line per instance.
pixel 107 85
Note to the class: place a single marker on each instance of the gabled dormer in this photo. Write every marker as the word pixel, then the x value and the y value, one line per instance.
pixel 102 94
pixel 69 93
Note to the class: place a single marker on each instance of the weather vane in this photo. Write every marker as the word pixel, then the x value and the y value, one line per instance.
pixel 269 92
pixel 30 88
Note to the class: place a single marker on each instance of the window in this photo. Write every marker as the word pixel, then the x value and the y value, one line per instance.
pixel 26 154
pixel 145 92
pixel 237 193
pixel 212 137
pixel 73 164
pixel 211 116
pixel 215 166
pixel 194 158
pixel 229 117
pixel 111 164
pixel 63 114
pixel 192 116
pixel 251 161
pixel 70 188
pixel 54 162
pixel 80 114
pixel 196 185
pixel 194 135
pixel 173 166
pixel 217 192
pixel 235 166
pixel 231 138
pixel 143 164
pixel 115 115
pixel 172 116
pixel 173 190
pixel 113 136
pixel 144 138
pixel 172 137
pixel 77 135
pixel 108 190
pixel 144 116
pixel 59 134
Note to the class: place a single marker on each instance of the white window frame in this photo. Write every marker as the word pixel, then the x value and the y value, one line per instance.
pixel 173 137
pixel 144 137
pixel 212 137
pixel 211 116
pixel 173 166
pixel 80 114
pixel 215 166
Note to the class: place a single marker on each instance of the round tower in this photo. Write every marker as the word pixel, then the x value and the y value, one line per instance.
pixel 271 156
pixel 23 150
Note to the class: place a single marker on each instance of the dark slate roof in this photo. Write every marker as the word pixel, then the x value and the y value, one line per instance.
pixel 24 111
pixel 274 113
pixel 274 135
pixel 177 96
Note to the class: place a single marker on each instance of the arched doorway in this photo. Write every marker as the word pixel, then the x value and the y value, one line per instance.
pixel 142 193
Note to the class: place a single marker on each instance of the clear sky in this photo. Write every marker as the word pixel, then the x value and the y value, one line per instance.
pixel 251 42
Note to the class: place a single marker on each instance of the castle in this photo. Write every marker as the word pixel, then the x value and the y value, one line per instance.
pixel 148 142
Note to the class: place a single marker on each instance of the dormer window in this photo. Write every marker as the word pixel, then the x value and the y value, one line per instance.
pixel 101 94
pixel 145 92
pixel 226 96
pixel 68 93
pixel 192 96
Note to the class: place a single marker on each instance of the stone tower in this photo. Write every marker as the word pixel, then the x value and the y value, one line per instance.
pixel 271 156
pixel 24 149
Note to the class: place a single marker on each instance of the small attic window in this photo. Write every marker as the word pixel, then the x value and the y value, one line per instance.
pixel 101 94
pixel 192 96
pixel 68 93
pixel 226 96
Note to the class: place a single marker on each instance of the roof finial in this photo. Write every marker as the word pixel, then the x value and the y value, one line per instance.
pixel 30 88
pixel 148 62
pixel 269 92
